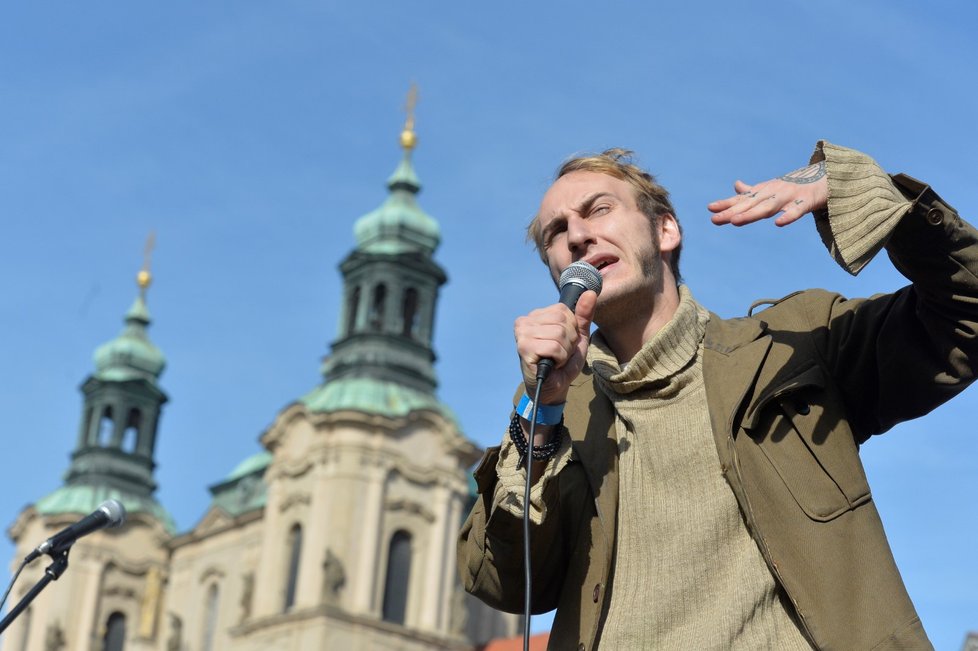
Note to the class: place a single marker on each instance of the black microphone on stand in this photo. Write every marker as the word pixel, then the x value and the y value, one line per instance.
pixel 110 513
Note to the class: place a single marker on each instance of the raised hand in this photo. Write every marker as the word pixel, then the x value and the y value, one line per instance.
pixel 802 191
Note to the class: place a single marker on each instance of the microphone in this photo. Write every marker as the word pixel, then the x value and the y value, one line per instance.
pixel 576 279
pixel 110 513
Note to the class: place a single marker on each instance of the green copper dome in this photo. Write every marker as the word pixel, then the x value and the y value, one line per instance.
pixel 254 463
pixel 372 396
pixel 131 355
pixel 399 225
pixel 243 490
pixel 83 499
pixel 382 361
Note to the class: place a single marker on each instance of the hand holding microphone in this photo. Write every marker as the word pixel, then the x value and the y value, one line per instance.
pixel 552 341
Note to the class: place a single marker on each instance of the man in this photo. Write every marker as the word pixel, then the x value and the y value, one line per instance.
pixel 707 491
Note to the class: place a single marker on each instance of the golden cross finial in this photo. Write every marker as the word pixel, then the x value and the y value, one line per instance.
pixel 144 278
pixel 408 138
pixel 409 104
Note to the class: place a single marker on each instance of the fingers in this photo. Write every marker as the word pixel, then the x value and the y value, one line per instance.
pixel 761 201
pixel 793 212
pixel 555 333
pixel 754 206
pixel 539 342
pixel 726 209
pixel 741 188
pixel 550 332
pixel 585 312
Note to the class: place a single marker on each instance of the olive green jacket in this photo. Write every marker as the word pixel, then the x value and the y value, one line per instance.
pixel 792 392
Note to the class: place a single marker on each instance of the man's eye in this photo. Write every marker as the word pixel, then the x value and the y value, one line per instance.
pixel 601 209
pixel 552 235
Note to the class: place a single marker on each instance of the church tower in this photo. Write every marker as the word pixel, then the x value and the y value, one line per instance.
pixel 341 534
pixel 109 597
pixel 367 485
pixel 391 286
pixel 121 414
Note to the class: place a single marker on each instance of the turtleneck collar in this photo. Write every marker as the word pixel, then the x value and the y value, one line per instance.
pixel 669 351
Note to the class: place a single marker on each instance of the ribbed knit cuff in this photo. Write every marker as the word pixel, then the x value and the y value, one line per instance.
pixel 863 208
pixel 512 481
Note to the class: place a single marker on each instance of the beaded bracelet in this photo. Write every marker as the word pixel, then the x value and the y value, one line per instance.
pixel 543 452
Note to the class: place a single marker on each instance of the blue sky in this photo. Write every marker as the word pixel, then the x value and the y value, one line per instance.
pixel 249 136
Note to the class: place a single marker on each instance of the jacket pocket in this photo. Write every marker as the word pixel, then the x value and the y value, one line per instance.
pixel 804 434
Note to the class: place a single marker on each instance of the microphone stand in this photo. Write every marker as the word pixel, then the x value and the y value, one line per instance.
pixel 52 573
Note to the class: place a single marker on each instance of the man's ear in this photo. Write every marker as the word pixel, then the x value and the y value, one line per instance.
pixel 670 236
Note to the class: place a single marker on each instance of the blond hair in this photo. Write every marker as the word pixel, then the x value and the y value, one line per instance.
pixel 652 198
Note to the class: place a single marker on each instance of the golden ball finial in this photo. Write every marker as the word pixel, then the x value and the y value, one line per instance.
pixel 409 139
pixel 144 278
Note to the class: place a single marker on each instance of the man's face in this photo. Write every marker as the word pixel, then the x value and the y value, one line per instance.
pixel 595 217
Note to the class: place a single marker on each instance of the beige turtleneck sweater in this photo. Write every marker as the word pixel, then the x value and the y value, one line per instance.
pixel 687 574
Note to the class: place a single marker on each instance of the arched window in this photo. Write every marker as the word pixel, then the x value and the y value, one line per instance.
pixel 292 570
pixel 210 619
pixel 115 633
pixel 377 307
pixel 105 427
pixel 398 577
pixel 351 310
pixel 85 437
pixel 131 435
pixel 410 312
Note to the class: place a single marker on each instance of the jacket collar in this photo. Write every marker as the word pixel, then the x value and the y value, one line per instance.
pixel 734 350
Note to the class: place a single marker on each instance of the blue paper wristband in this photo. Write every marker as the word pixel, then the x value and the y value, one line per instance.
pixel 546 414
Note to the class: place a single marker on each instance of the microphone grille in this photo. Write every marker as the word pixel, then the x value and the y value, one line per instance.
pixel 583 274
pixel 115 511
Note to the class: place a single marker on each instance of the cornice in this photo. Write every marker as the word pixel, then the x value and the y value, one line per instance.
pixel 294 499
pixel 197 534
pixel 328 612
pixel 411 507
pixel 454 441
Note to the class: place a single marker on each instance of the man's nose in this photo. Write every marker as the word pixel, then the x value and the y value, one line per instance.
pixel 580 235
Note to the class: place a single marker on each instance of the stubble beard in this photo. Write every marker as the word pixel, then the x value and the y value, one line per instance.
pixel 634 304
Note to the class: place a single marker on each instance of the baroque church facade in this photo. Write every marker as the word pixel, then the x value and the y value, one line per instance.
pixel 339 534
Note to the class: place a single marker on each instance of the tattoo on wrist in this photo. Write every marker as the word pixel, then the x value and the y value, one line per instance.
pixel 805 175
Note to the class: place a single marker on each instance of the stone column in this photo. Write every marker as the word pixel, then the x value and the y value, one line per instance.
pixel 88 578
pixel 450 573
pixel 364 556
pixel 315 536
pixel 434 565
pixel 268 579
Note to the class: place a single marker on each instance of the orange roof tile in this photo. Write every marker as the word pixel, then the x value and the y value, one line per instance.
pixel 538 642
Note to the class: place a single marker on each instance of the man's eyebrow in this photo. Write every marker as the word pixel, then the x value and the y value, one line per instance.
pixel 582 208
pixel 551 227
pixel 588 202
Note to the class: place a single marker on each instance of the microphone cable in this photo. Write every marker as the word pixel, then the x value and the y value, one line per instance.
pixel 526 513
pixel 577 278
pixel 20 569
